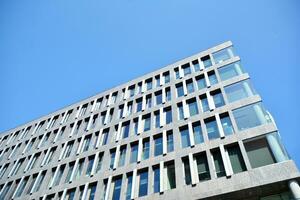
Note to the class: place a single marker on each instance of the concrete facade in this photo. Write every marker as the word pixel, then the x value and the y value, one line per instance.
pixel 219 141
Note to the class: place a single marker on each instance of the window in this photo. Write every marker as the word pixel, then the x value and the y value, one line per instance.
pixel 99 164
pixel 147 123
pixel 230 71
pixel 236 159
pixel 143 189
pixel 202 167
pixel 193 107
pixel 131 91
pixel 91 191
pixel 59 175
pixel 187 171
pixel 158 145
pixel 149 84
pixel 196 65
pixel 21 186
pixel 218 98
pixel 139 105
pixel 39 182
pixel 201 84
pixel 117 189
pixel 251 116
pixel 167 77
pixel 68 150
pixel 206 61
pixel 135 126
pixel 158 96
pixel 204 103
pixel 129 187
pixel 125 130
pixel 90 165
pixel 168 94
pixel 31 183
pixel 223 55
pixel 212 78
pixel 226 124
pixel 5 190
pixel 86 143
pixel 168 113
pixel 134 153
pixel 70 194
pixel 212 129
pixel 239 91
pixel 104 137
pixel 156 175
pixel 198 135
pixel 70 170
pixel 79 169
pixel 157 119
pixel 185 139
pixel 112 158
pixel 171 179
pixel 170 141
pixel 179 89
pixel 190 86
pixel 218 163
pixel 180 111
pixel 122 156
pixel 186 69
pixel 157 80
pixel 148 101
pixel 146 149
pixel 177 74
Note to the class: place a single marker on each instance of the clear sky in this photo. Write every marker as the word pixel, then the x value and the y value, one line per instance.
pixel 55 53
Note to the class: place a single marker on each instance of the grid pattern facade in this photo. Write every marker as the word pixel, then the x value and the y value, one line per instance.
pixel 194 129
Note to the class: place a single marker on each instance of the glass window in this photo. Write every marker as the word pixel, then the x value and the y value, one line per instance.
pixel 148 101
pixel 190 87
pixel 158 146
pixel 167 77
pixel 143 189
pixel 212 129
pixel 149 85
pixel 186 70
pixel 198 135
pixel 206 61
pixel 168 94
pixel 185 139
pixel 202 167
pixel 21 187
pixel 147 124
pixel 251 116
pixel 187 172
pixel 129 187
pixel 196 65
pixel 112 159
pixel 218 99
pixel 239 91
pixel 117 189
pixel 223 55
pixel 122 156
pixel 99 164
pixel 171 179
pixel 90 166
pixel 218 163
pixel 212 78
pixel 134 153
pixel 201 82
pixel 204 104
pixel 168 116
pixel 91 191
pixel 156 185
pixel 125 130
pixel 177 75
pixel 146 150
pixel 139 105
pixel 193 108
pixel 227 125
pixel 180 91
pixel 230 71
pixel 59 175
pixel 170 142
pixel 86 145
pixel 157 120
pixel 180 112
pixel 158 98
pixel 70 170
pixel 236 159
pixel 79 169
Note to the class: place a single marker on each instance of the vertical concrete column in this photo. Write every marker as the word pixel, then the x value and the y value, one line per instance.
pixel 140 150
pixel 90 123
pixel 181 74
pixel 13 168
pixel 106 116
pixel 201 64
pixel 186 113
pixel 54 176
pixel 78 112
pixel 94 105
pixel 210 101
pixel 165 142
pixel 56 136
pixel 4 186
pixel 125 109
pixel 206 79
pixel 134 184
pixel 74 170
pixel 118 135
pixel 276 148
pixel 45 157
pixel 24 150
pixel 15 192
pixel 117 156
pixel 63 151
pixel 49 123
pixel 73 129
pixel 162 117
pixel 140 125
pixel 226 162
pixel 35 128
pixel 99 139
pixel 161 176
pixel 80 145
pixel 63 196
pixel 219 124
pixel 184 88
pixel 10 138
pixel 109 100
pixel 125 93
pixel 84 193
pixel 163 95
pixel 193 171
pixel 42 140
pixel 295 189
pixel 35 182
pixel 191 134
pixel 93 171
pixel 144 102
pixel 162 79
pixel 12 152
pixel 20 136
pixel 143 86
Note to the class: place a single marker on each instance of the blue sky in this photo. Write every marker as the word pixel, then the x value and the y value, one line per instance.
pixel 55 53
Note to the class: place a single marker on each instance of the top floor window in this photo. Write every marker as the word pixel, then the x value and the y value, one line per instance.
pixel 223 55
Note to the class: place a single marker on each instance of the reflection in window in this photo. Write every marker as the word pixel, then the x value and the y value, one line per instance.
pixel 185 139
pixel 223 55
pixel 239 91
pixel 212 129
pixel 143 189
pixel 230 71
pixel 218 163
